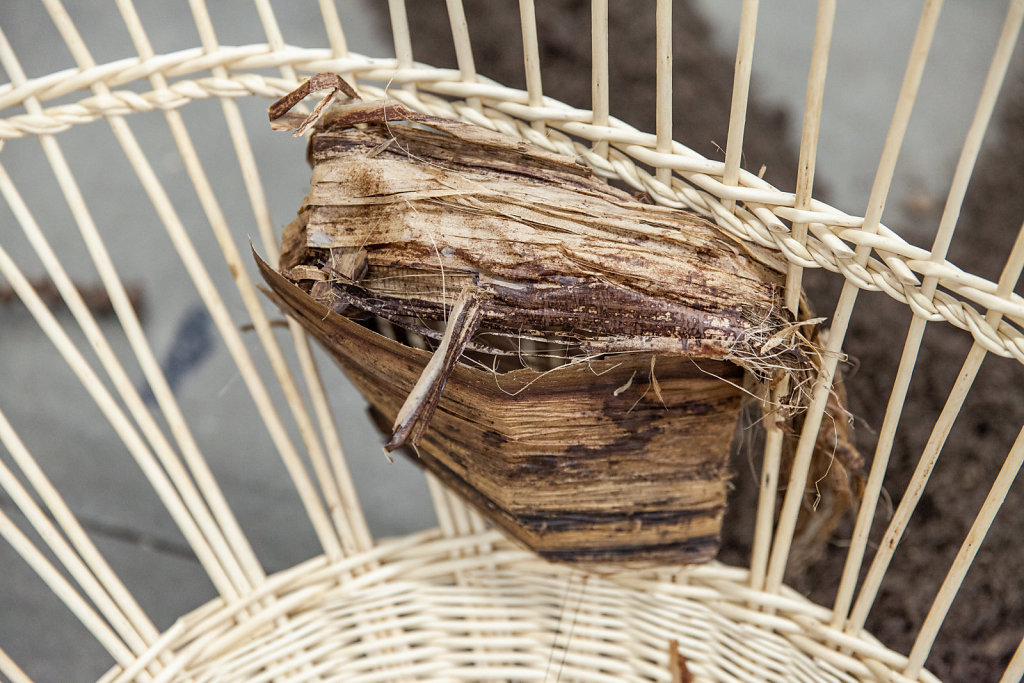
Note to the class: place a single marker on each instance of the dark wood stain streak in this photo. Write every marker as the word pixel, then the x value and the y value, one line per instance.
pixel 569 519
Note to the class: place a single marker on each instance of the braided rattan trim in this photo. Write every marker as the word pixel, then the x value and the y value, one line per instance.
pixel 696 183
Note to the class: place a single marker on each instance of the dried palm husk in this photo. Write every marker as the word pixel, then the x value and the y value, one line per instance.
pixel 568 358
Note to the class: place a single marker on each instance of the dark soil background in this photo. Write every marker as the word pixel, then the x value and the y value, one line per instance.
pixel 982 630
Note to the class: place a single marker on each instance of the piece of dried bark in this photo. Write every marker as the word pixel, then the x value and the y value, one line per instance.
pixel 591 347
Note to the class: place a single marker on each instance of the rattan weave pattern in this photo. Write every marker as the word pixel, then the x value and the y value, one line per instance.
pixel 507 615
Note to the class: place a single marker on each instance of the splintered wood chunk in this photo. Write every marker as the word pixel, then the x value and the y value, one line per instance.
pixel 414 415
pixel 567 358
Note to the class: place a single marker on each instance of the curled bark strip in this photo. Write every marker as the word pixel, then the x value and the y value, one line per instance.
pixel 419 406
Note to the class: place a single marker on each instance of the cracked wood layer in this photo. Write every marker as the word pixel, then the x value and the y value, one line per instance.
pixel 561 255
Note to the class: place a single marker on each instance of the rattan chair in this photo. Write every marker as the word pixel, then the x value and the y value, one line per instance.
pixel 457 602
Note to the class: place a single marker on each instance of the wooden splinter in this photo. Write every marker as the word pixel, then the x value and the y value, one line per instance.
pixel 414 416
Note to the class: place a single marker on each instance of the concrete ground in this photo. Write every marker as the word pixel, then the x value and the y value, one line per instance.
pixel 81 454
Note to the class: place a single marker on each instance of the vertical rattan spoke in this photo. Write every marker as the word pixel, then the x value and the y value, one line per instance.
pixel 104 583
pixel 273 33
pixel 332 472
pixel 740 91
pixel 329 487
pixel 460 513
pixel 943 237
pixel 402 38
pixel 809 137
pixel 332 24
pixel 804 183
pixel 599 88
pixel 463 46
pixel 439 496
pixel 768 489
pixel 176 230
pixel 663 86
pixel 460 36
pixel 65 591
pixel 454 516
pixel 844 308
pixel 119 421
pixel 964 558
pixel 11 670
pixel 1015 669
pixel 933 448
pixel 531 57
